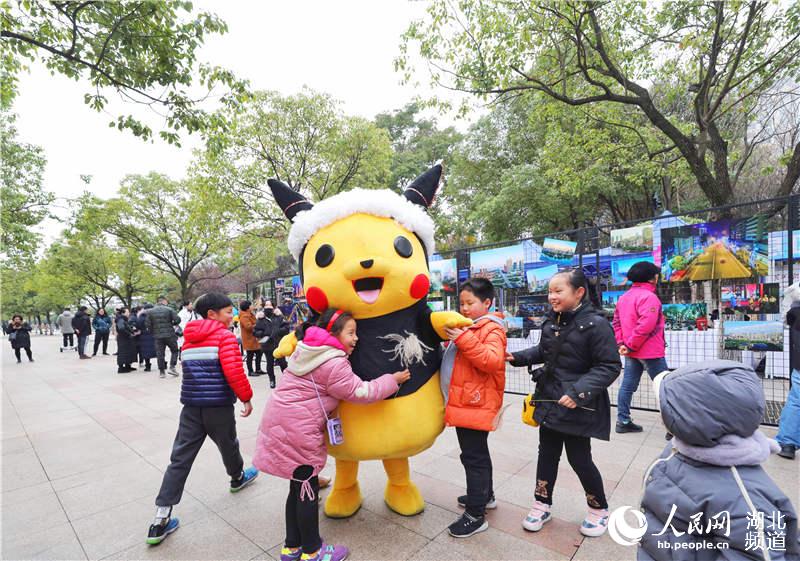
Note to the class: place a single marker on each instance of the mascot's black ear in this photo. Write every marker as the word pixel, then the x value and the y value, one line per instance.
pixel 290 201
pixel 422 190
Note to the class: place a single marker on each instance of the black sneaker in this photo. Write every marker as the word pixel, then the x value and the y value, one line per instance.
pixel 158 532
pixel 630 426
pixel 787 451
pixel 272 384
pixel 467 526
pixel 491 505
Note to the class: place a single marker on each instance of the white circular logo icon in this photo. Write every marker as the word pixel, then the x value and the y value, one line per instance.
pixel 622 532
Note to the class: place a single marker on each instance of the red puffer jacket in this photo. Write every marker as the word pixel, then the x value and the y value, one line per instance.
pixel 213 375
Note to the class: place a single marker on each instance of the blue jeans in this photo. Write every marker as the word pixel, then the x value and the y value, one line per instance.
pixel 630 382
pixel 789 425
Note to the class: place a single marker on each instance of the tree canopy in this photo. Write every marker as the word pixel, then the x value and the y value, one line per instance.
pixel 736 63
pixel 144 51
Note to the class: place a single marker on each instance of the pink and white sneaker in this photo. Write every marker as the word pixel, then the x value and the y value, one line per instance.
pixel 595 523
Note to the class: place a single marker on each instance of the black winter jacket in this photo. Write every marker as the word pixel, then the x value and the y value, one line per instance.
pixel 126 340
pixel 22 339
pixel 161 322
pixel 82 324
pixel 587 364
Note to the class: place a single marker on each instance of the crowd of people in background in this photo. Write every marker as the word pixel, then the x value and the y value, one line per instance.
pixel 145 332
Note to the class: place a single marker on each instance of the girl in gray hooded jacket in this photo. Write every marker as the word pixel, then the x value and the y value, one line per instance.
pixel 707 496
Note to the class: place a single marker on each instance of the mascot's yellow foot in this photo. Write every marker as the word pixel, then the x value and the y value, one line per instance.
pixel 343 503
pixel 404 499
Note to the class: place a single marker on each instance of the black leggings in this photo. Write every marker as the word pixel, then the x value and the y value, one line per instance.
pixel 302 513
pixel 27 352
pixel 579 455
pixel 98 337
pixel 250 355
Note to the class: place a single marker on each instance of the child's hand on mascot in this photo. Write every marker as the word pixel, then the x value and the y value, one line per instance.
pixel 286 346
pixel 402 376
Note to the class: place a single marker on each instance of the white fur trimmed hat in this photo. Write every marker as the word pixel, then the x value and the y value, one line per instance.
pixel 408 209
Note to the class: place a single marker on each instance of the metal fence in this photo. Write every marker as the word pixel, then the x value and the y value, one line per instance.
pixel 722 267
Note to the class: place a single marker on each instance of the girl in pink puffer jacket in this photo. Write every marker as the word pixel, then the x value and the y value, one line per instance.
pixel 291 437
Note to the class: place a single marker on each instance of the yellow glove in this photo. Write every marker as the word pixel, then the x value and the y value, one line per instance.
pixel 443 320
pixel 286 346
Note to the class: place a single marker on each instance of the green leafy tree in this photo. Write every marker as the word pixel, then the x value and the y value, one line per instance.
pixel 729 56
pixel 178 225
pixel 23 201
pixel 304 140
pixel 144 51
pixel 532 166
pixel 417 142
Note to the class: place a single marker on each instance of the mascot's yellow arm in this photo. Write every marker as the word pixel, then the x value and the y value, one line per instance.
pixel 443 320
pixel 286 346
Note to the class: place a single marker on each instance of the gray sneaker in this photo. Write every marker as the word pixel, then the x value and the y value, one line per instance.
pixel 172 371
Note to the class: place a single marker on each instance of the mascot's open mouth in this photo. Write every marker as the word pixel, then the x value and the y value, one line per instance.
pixel 368 289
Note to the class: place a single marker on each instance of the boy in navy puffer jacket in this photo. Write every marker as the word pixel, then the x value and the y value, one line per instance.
pixel 213 378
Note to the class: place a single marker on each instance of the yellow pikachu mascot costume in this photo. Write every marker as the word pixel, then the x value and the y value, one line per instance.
pixel 366 251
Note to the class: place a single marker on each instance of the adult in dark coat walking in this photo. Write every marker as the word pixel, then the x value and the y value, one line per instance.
pixel 126 341
pixel 581 360
pixel 19 333
pixel 161 322
pixel 147 343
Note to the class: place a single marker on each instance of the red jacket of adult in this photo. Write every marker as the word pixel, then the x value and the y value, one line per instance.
pixel 639 323
pixel 213 375
pixel 479 377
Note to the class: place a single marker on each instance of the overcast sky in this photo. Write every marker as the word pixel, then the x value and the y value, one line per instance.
pixel 344 48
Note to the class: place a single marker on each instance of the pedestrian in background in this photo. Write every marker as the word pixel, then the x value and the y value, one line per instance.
pixel 126 341
pixel 19 333
pixel 64 322
pixel 82 325
pixel 639 332
pixel 147 344
pixel 161 322
pixel 102 329
pixel 250 344
pixel 789 426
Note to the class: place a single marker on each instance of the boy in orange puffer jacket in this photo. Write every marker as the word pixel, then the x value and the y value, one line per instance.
pixel 473 377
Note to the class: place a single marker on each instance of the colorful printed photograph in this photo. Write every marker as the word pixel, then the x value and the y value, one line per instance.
pixel 504 266
pixel 609 300
pixel 621 266
pixel 728 249
pixel 753 335
pixel 443 277
pixel 633 240
pixel 752 298
pixel 533 310
pixel 436 305
pixel 558 251
pixel 297 288
pixel 539 275
pixel 779 245
pixel 514 326
pixel 683 317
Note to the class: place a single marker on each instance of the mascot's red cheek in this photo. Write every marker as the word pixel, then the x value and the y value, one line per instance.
pixel 420 286
pixel 317 299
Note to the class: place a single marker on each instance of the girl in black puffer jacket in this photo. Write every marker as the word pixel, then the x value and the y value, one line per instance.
pixel 580 358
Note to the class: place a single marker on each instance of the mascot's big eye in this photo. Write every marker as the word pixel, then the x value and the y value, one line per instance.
pixel 403 247
pixel 324 256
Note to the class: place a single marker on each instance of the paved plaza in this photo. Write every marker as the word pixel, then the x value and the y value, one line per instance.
pixel 84 450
